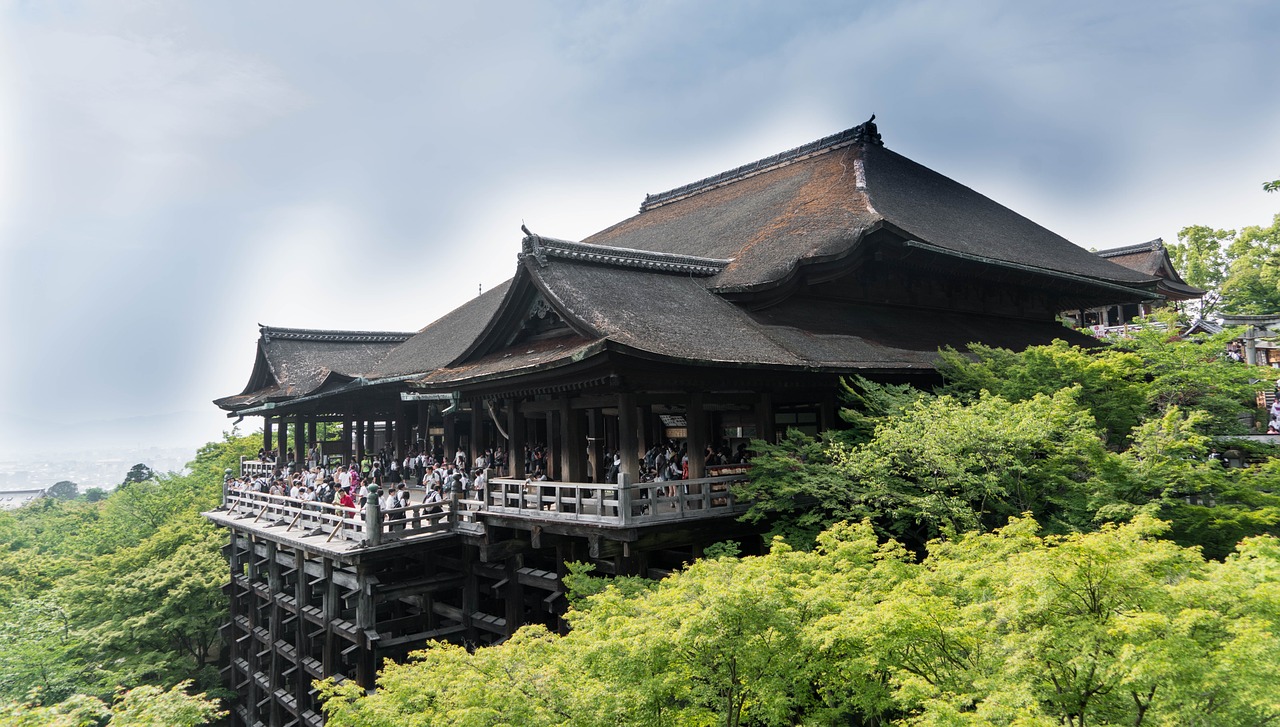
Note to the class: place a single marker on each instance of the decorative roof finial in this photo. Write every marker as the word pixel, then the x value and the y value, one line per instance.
pixel 867 133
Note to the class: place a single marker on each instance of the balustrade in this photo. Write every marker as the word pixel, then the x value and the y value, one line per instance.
pixel 616 505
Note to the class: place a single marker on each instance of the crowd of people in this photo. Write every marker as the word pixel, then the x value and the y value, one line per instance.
pixel 348 485
pixel 398 479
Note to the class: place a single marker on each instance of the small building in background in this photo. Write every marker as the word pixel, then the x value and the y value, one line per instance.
pixel 14 499
pixel 1150 258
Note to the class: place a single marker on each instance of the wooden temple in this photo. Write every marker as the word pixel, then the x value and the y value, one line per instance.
pixel 1149 258
pixel 726 310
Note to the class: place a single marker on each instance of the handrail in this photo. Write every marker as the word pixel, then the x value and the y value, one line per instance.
pixel 339 522
pixel 608 504
pixel 611 504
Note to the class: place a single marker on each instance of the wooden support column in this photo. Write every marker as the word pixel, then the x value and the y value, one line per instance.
pixel 628 442
pixel 313 441
pixel 331 609
pixel 470 591
pixel 302 645
pixel 266 434
pixel 764 418
pixel 572 444
pixel 299 443
pixel 366 623
pixel 275 585
pixel 389 434
pixel 827 414
pixel 404 432
pixel 359 453
pixel 370 437
pixel 645 415
pixel 595 445
pixel 476 446
pixel 348 428
pixel 450 443
pixel 282 442
pixel 516 441
pixel 424 424
pixel 554 461
pixel 514 596
pixel 696 418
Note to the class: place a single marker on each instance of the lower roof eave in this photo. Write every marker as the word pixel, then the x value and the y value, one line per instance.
pixel 1132 294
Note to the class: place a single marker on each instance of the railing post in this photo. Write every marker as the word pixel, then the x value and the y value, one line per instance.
pixel 453 510
pixel 624 498
pixel 373 517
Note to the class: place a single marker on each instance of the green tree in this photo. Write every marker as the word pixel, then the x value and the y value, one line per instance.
pixel 138 473
pixel 64 490
pixel 1010 627
pixel 140 707
pixel 1243 266
pixel 95 494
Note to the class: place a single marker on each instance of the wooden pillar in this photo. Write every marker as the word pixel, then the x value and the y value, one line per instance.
pixel 645 416
pixel 313 441
pixel 299 443
pixel 628 442
pixel 827 414
pixel 595 439
pixel 555 462
pixel 330 610
pixel 696 418
pixel 370 436
pixel 366 622
pixel 359 453
pixel 266 433
pixel 282 441
pixel 302 645
pixel 516 441
pixel 348 429
pixel 476 446
pixel 514 615
pixel 764 418
pixel 389 434
pixel 450 442
pixel 404 432
pixel 424 423
pixel 470 592
pixel 572 443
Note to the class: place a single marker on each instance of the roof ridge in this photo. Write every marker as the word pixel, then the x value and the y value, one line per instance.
pixel 1148 246
pixel 331 336
pixel 540 248
pixel 864 133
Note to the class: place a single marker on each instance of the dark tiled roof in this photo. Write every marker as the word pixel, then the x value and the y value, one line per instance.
pixel 820 205
pixel 1152 258
pixel 540 248
pixel 677 318
pixel 858 134
pixel 444 340
pixel 270 333
pixel 293 362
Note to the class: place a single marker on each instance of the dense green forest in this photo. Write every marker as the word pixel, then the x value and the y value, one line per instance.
pixel 1047 538
pixel 111 605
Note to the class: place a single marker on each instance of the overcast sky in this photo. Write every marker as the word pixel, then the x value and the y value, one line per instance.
pixel 173 174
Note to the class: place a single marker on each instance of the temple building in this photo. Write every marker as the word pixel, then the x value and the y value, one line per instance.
pixel 725 310
pixel 1150 258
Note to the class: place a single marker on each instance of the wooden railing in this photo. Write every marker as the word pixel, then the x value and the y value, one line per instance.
pixel 614 505
pixel 343 523
pixel 256 468
pixel 609 504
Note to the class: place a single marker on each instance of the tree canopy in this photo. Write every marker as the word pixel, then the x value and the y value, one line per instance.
pixel 1242 265
pixel 1116 626
pixel 115 591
